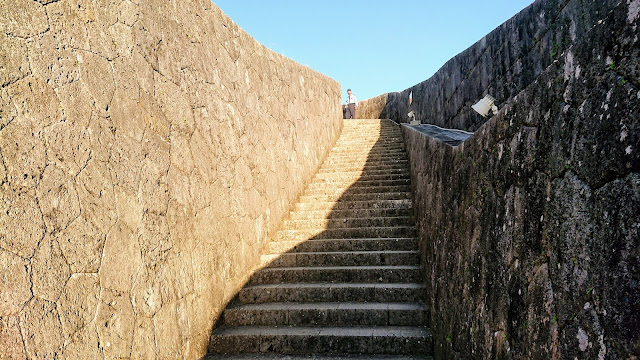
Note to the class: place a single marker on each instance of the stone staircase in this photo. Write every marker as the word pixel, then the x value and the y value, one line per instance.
pixel 342 279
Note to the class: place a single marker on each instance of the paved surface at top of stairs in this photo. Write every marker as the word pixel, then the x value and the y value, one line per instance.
pixel 341 280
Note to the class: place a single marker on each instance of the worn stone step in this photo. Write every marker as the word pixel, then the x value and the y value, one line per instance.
pixel 363 164
pixel 358 184
pixel 327 314
pixel 368 150
pixel 347 233
pixel 336 292
pixel 341 258
pixel 357 177
pixel 362 173
pixel 372 138
pixel 369 144
pixel 348 223
pixel 348 168
pixel 363 244
pixel 347 152
pixel 382 273
pixel 399 166
pixel 258 356
pixel 372 145
pixel 365 159
pixel 366 156
pixel 343 204
pixel 356 197
pixel 357 190
pixel 391 340
pixel 345 214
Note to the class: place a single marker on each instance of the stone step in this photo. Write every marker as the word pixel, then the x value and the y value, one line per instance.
pixel 361 173
pixel 365 159
pixel 369 150
pixel 364 244
pixel 355 197
pixel 357 177
pixel 327 314
pixel 358 184
pixel 390 340
pixel 357 190
pixel 359 144
pixel 346 163
pixel 341 258
pixel 350 205
pixel 386 136
pixel 347 233
pixel 350 151
pixel 258 356
pixel 386 141
pixel 332 292
pixel 338 274
pixel 368 130
pixel 345 214
pixel 400 165
pixel 348 223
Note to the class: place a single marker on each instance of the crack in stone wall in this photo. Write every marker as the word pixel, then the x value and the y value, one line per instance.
pixel 149 150
pixel 529 230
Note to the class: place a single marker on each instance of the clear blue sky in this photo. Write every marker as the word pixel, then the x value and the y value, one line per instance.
pixel 371 46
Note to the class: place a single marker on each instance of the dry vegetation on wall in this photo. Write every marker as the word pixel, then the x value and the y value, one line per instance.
pixel 146 154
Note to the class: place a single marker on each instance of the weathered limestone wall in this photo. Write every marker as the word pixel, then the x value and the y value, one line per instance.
pixel 530 230
pixel 147 151
pixel 501 64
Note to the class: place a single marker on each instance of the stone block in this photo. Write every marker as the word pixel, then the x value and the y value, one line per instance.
pixel 115 322
pixel 24 160
pixel 143 339
pixel 41 328
pixel 49 270
pixel 97 75
pixel 78 302
pixel 16 284
pixel 121 260
pixel 21 223
pixel 58 198
pixel 84 344
pixel 16 63
pixel 23 18
pixel 10 337
pixel 82 244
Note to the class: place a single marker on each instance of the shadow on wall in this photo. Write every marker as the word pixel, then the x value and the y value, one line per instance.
pixel 530 230
pixel 344 259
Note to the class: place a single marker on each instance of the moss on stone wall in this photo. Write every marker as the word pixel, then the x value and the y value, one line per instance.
pixel 530 229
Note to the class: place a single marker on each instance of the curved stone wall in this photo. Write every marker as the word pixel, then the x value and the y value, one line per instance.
pixel 530 230
pixel 501 64
pixel 147 152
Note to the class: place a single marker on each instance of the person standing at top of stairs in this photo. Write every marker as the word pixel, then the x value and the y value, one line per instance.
pixel 352 104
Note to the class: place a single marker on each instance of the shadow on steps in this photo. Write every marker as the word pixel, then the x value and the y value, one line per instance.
pixel 342 278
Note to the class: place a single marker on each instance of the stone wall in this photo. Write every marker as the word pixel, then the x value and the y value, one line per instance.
pixel 530 230
pixel 501 64
pixel 146 155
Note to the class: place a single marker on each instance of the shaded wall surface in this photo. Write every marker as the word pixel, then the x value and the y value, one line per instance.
pixel 146 156
pixel 501 64
pixel 530 230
